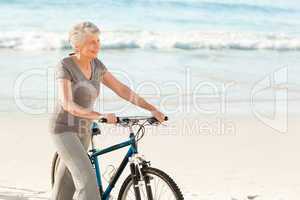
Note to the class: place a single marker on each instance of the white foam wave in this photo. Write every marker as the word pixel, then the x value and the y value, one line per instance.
pixel 191 40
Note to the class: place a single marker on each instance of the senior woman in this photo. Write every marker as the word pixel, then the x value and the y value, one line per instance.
pixel 79 76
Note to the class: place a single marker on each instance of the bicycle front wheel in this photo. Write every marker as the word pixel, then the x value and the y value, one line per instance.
pixel 162 187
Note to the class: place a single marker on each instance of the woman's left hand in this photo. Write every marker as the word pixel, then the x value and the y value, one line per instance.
pixel 158 115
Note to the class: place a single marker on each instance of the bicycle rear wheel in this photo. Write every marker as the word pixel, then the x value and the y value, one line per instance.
pixel 55 162
pixel 162 186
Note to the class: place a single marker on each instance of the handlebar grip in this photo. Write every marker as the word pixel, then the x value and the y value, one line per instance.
pixel 154 120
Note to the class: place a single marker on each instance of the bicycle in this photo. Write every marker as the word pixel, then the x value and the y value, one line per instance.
pixel 142 183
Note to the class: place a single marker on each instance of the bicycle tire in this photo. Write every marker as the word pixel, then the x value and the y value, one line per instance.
pixel 152 172
pixel 55 162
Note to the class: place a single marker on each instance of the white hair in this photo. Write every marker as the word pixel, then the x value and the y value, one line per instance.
pixel 78 32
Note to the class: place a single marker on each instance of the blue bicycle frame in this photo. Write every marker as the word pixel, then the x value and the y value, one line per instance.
pixel 94 159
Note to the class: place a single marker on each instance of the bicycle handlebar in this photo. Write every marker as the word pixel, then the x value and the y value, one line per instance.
pixel 128 119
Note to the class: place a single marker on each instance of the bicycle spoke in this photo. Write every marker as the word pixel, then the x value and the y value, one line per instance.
pixel 132 194
pixel 160 192
pixel 142 188
pixel 164 194
pixel 156 186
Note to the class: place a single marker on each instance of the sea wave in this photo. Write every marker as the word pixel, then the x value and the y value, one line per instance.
pixel 220 5
pixel 223 6
pixel 190 40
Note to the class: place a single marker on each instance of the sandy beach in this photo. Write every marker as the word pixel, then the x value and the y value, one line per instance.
pixel 253 162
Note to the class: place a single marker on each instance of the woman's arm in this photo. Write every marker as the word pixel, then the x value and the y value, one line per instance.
pixel 66 100
pixel 126 93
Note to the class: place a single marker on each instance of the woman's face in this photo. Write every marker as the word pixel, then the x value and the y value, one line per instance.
pixel 91 46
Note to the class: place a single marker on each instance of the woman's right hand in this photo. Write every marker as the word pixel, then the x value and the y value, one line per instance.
pixel 111 118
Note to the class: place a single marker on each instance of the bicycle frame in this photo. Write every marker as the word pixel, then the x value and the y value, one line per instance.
pixel 94 159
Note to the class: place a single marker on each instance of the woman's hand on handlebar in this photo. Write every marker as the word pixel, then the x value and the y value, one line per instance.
pixel 110 118
pixel 158 115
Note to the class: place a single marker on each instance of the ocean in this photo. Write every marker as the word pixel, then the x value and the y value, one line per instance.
pixel 166 50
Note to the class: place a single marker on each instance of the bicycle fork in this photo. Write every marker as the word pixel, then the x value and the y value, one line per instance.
pixel 137 164
pixel 138 177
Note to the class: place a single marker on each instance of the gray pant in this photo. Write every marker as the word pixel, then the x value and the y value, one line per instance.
pixel 75 177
